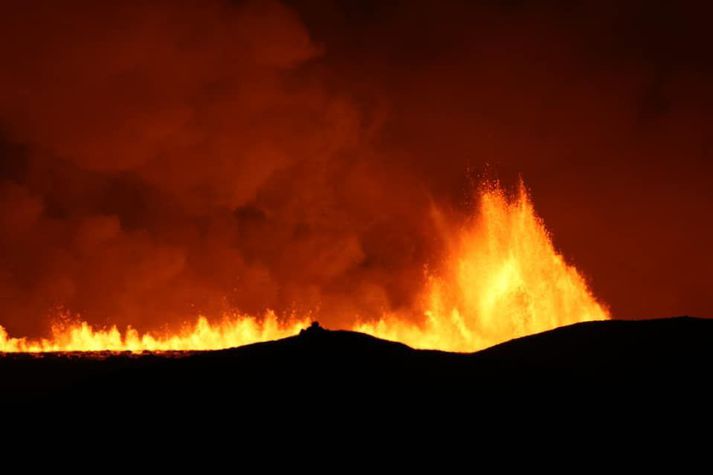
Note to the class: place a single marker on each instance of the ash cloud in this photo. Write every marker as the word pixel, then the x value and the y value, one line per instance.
pixel 163 159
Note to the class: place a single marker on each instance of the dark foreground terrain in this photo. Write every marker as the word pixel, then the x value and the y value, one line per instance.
pixel 597 360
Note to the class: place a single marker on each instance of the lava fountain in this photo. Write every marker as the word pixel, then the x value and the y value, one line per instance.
pixel 501 278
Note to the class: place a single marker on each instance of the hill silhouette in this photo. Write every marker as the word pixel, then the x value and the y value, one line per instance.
pixel 598 358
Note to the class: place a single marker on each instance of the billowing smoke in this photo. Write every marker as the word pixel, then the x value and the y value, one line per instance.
pixel 164 159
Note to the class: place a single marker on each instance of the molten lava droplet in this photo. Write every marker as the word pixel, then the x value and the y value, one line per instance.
pixel 502 279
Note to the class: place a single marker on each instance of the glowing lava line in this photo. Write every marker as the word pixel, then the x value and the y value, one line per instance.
pixel 501 279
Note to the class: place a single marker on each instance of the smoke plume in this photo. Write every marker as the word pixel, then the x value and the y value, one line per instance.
pixel 164 159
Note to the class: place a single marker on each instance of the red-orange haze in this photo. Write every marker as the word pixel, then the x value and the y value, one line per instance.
pixel 204 173
pixel 501 279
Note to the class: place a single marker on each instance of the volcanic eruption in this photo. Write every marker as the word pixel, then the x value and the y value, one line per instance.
pixel 502 278
pixel 200 175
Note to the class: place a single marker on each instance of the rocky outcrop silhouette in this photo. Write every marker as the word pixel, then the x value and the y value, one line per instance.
pixel 594 358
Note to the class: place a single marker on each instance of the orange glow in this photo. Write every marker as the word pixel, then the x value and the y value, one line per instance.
pixel 235 330
pixel 501 279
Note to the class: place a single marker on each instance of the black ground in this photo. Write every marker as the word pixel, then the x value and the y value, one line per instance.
pixel 602 359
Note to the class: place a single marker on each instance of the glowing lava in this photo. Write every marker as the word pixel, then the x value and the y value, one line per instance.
pixel 234 330
pixel 501 279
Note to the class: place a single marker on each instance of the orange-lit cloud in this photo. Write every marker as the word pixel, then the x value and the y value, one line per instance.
pixel 165 159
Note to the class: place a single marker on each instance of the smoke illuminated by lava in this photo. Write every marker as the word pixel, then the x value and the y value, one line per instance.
pixel 209 173
pixel 502 279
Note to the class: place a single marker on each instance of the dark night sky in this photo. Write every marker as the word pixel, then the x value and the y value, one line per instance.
pixel 163 158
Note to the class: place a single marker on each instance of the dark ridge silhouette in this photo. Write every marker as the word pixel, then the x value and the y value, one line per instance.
pixel 598 359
